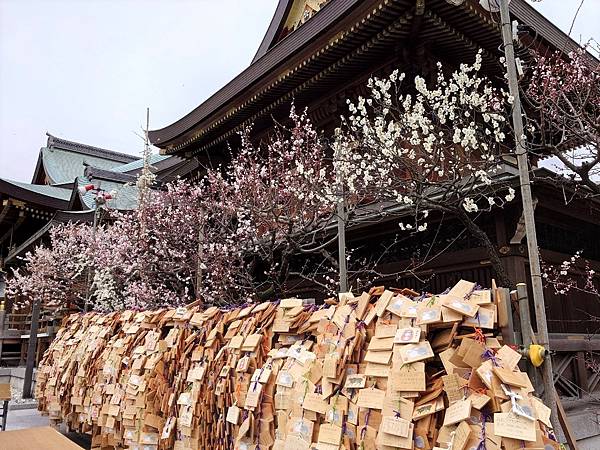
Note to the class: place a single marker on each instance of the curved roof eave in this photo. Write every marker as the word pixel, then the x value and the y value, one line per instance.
pixel 280 14
pixel 272 58
pixel 43 195
pixel 269 56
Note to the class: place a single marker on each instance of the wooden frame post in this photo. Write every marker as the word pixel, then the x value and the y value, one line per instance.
pixel 31 349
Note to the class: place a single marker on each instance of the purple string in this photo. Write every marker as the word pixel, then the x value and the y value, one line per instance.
pixel 484 419
pixel 468 294
pixel 363 431
pixel 488 354
pixel 397 414
pixel 341 332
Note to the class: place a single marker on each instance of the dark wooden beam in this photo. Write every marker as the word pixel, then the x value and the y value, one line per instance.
pixel 582 375
pixel 573 343
pixel 12 229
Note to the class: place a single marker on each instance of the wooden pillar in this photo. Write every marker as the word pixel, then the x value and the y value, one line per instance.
pixel 514 264
pixel 582 375
pixel 526 330
pixel 22 352
pixel 31 349
pixel 505 315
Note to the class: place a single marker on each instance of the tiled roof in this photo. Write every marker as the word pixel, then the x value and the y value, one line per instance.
pixel 89 150
pixel 63 166
pixel 64 160
pixel 258 88
pixel 136 165
pixel 48 191
pixel 49 196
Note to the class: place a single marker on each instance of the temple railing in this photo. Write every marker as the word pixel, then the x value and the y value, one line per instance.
pixel 576 364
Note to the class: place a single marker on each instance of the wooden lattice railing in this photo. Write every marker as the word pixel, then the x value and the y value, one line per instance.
pixel 576 364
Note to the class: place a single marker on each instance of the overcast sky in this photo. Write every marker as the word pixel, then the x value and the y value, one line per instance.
pixel 85 70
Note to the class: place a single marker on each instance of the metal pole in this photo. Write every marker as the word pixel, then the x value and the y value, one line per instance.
pixel 528 212
pixel 89 273
pixel 95 224
pixel 31 348
pixel 341 225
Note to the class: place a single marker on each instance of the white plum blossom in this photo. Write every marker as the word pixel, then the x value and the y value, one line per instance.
pixel 469 205
pixel 439 146
pixel 510 196
pixel 572 275
pixel 405 147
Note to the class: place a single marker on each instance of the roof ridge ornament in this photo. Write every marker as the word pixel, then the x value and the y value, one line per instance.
pixel 64 144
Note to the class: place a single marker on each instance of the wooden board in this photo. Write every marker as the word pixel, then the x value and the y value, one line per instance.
pixel 39 438
pixel 5 391
pixel 564 423
pixel 280 373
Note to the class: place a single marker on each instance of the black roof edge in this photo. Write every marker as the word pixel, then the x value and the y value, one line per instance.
pixel 92 172
pixel 38 198
pixel 90 150
pixel 273 56
pixel 283 7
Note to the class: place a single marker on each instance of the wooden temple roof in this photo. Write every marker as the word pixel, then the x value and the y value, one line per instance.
pixel 60 161
pixel 344 42
pixel 36 194
pixel 29 210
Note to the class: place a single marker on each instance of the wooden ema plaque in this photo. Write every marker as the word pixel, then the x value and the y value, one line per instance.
pixel 381 370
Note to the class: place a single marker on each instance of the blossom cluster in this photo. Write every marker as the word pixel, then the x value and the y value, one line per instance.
pixel 573 274
pixel 224 240
pixel 55 274
pixel 267 219
pixel 126 262
pixel 436 146
pixel 563 95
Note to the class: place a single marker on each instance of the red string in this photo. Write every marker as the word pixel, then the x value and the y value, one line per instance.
pixel 479 336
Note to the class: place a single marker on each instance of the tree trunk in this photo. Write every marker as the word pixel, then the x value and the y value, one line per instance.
pixel 476 231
